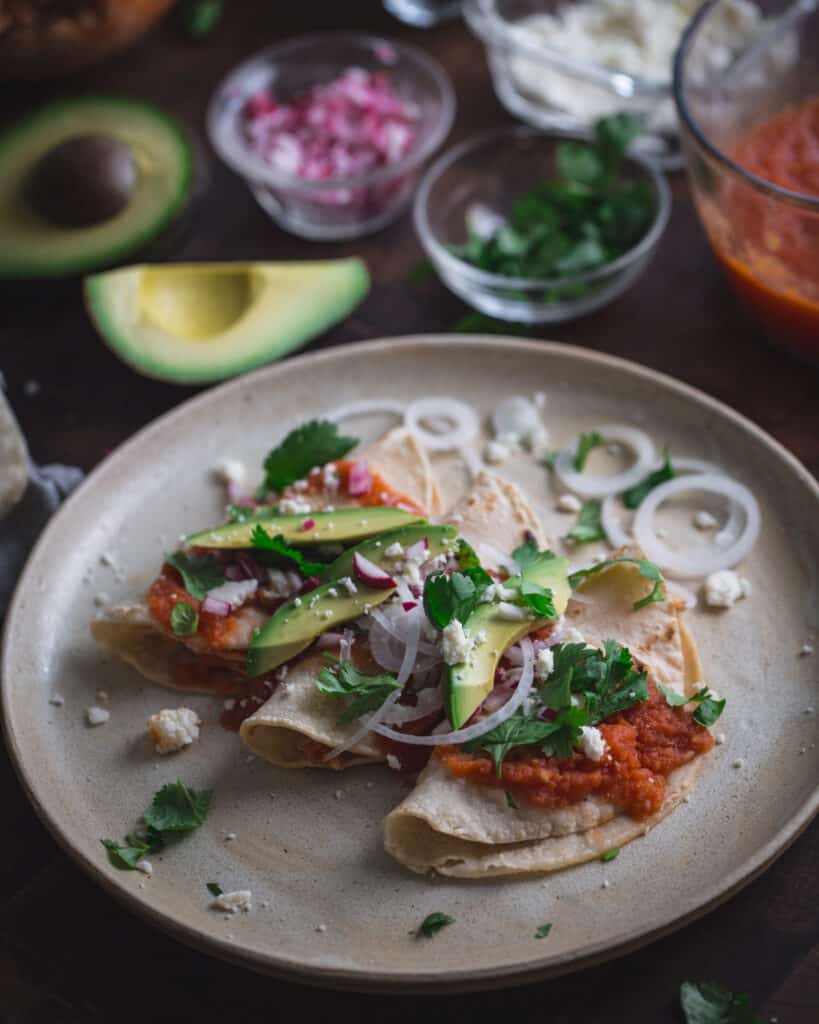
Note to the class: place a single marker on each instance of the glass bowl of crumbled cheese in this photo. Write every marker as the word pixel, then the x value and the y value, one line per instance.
pixel 330 131
pixel 559 64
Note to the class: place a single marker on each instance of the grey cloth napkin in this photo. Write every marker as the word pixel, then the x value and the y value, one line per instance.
pixel 47 487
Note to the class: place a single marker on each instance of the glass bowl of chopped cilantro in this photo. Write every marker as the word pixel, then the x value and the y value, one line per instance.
pixel 542 227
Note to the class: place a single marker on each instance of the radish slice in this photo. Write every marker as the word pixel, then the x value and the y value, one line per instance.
pixel 457 423
pixel 371 574
pixel 593 486
pixel 213 606
pixel 697 561
pixel 471 732
pixel 417 552
pixel 359 480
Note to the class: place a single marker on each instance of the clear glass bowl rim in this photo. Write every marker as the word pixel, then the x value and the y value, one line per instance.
pixel 769 188
pixel 477 276
pixel 494 30
pixel 245 163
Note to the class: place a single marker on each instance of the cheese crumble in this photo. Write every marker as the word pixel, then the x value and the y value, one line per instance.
pixel 724 588
pixel 456 643
pixel 173 729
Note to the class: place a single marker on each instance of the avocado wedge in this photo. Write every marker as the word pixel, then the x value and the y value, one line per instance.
pixel 190 323
pixel 56 218
pixel 465 686
pixel 342 525
pixel 296 625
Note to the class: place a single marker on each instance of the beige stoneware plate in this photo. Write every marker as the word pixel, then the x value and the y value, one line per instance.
pixel 308 844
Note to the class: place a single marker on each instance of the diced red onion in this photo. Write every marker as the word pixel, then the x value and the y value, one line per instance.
pixel 308 523
pixel 310 584
pixel 370 573
pixel 486 724
pixel 359 480
pixel 213 606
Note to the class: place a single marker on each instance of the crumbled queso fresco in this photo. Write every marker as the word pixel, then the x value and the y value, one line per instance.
pixel 240 901
pixel 592 743
pixel 544 664
pixel 456 643
pixel 724 588
pixel 173 729
pixel 294 507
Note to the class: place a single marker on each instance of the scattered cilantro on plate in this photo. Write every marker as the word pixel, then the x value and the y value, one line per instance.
pixel 709 708
pixel 214 888
pixel 611 854
pixel 586 444
pixel 433 923
pixel 589 525
pixel 543 931
pixel 634 495
pixel 647 569
pixel 310 445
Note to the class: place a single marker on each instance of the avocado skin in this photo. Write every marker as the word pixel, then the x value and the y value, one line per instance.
pixel 465 686
pixel 274 644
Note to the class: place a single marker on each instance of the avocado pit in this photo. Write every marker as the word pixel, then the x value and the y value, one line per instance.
pixel 83 181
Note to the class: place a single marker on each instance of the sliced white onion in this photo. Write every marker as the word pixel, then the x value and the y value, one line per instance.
pixel 698 561
pixel 412 641
pixel 395 622
pixel 368 407
pixel 450 410
pixel 594 486
pixel 345 648
pixel 615 533
pixel 471 732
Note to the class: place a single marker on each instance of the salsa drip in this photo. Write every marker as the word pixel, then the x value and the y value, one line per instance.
pixel 645 744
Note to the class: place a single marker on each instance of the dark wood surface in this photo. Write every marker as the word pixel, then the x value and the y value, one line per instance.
pixel 70 953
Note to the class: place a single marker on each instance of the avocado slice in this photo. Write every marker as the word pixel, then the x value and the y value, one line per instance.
pixel 35 245
pixel 195 322
pixel 343 524
pixel 465 686
pixel 295 626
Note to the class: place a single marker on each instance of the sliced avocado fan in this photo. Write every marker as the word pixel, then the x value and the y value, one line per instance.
pixel 190 323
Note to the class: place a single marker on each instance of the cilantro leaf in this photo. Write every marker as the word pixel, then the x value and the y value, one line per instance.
pixel 510 801
pixel 709 708
pixel 433 923
pixel 310 445
pixel 549 458
pixel 214 888
pixel 565 733
pixel 586 443
pixel 634 495
pixel 621 686
pixel 528 553
pixel 704 1002
pixel 454 596
pixel 421 272
pixel 368 693
pixel 200 572
pixel 672 698
pixel 539 599
pixel 589 525
pixel 517 731
pixel 611 854
pixel 466 556
pixel 647 569
pixel 543 931
pixel 178 808
pixel 277 545
pixel 184 619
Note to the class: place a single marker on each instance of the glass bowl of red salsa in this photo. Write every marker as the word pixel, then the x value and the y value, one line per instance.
pixel 751 135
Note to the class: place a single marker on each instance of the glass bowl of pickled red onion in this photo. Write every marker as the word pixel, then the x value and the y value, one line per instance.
pixel 330 131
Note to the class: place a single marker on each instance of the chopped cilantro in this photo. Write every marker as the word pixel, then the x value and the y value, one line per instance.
pixel 344 680
pixel 454 596
pixel 310 445
pixel 647 569
pixel 634 495
pixel 433 923
pixel 528 553
pixel 278 546
pixel 175 810
pixel 184 619
pixel 584 446
pixel 539 599
pixel 421 272
pixel 200 572
pixel 543 931
pixel 708 710
pixel 214 888
pixel 703 1002
pixel 549 458
pixel 510 801
pixel 611 854
pixel 589 525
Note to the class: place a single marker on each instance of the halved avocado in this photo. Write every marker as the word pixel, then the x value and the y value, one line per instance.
pixel 37 242
pixel 194 322
pixel 295 626
pixel 465 686
pixel 343 524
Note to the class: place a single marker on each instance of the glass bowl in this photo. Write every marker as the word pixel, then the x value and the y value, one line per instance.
pixel 494 170
pixel 333 208
pixel 766 236
pixel 550 89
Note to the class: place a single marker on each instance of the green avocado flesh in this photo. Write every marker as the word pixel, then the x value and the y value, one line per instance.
pixel 341 525
pixel 294 627
pixel 196 322
pixel 32 247
pixel 465 686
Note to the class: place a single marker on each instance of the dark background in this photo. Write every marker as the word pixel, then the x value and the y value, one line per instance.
pixel 70 953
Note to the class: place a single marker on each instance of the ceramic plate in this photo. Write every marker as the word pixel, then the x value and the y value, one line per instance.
pixel 330 906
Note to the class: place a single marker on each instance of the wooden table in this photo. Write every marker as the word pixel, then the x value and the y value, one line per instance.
pixel 69 952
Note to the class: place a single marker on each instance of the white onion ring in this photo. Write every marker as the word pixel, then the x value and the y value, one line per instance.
pixel 595 486
pixel 615 534
pixel 383 620
pixel 697 562
pixel 411 642
pixel 471 732
pixel 451 410
pixel 367 407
